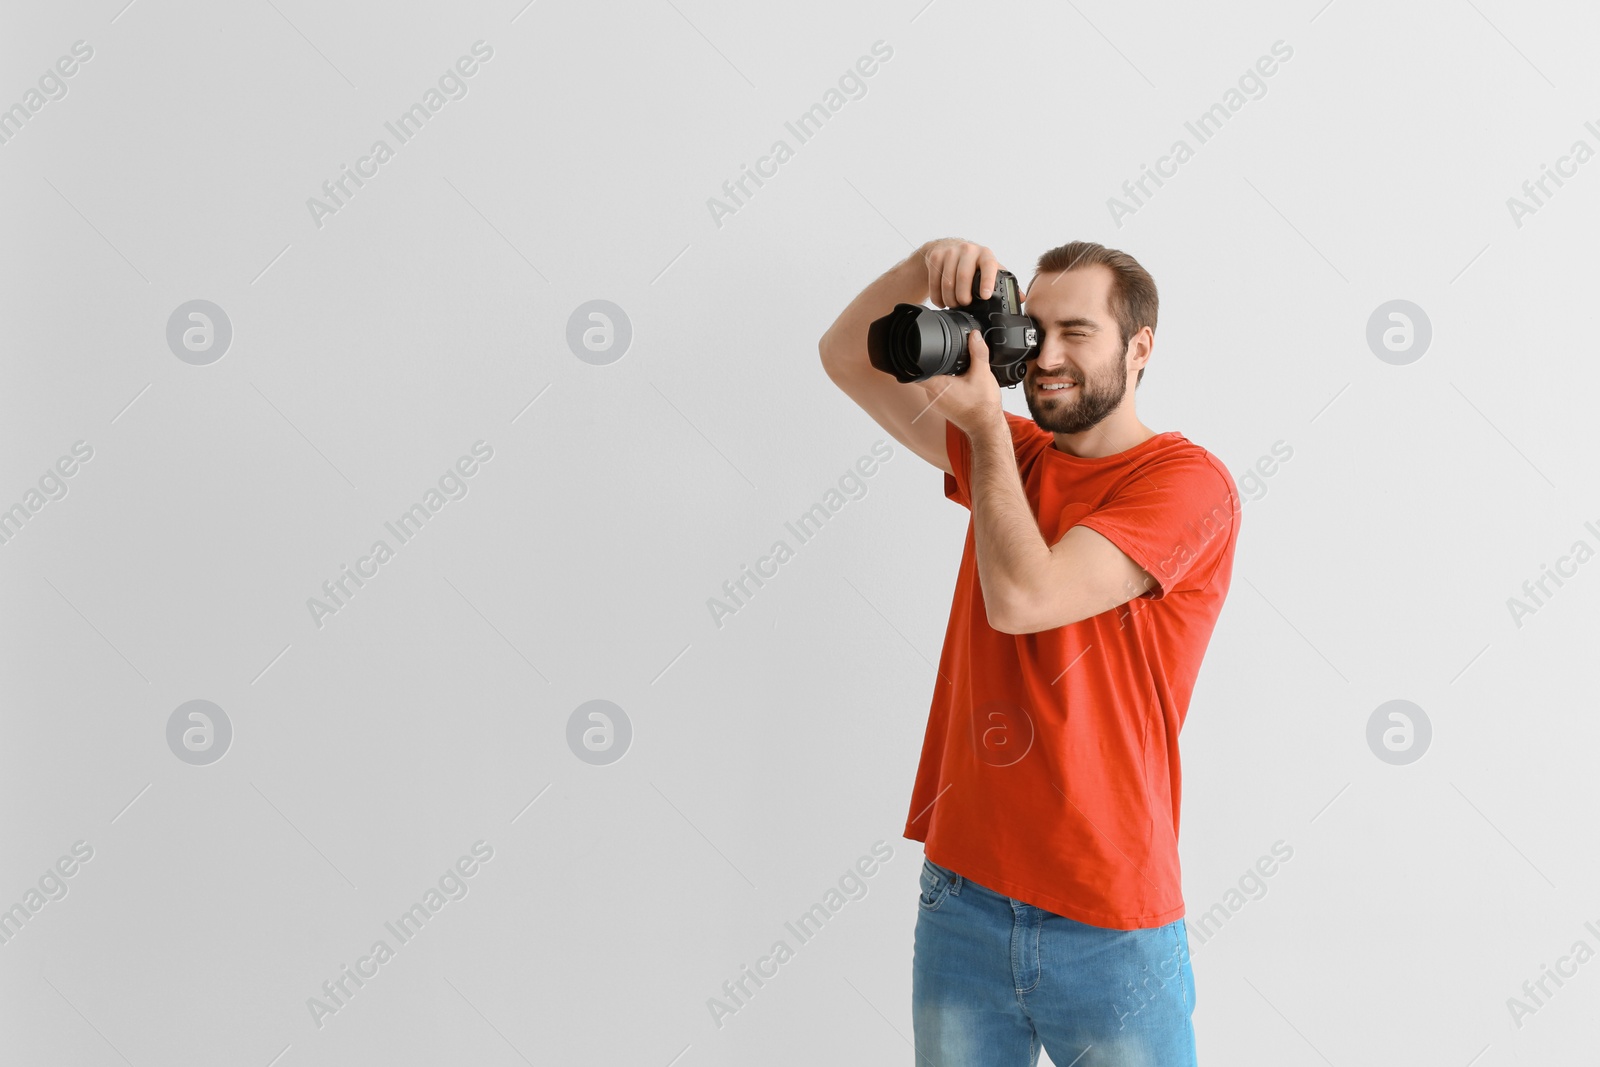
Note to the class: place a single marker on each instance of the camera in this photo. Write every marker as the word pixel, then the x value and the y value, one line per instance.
pixel 914 343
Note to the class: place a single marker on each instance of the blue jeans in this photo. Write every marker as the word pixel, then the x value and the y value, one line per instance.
pixel 993 978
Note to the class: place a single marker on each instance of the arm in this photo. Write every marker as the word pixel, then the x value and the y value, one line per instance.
pixel 940 270
pixel 1028 585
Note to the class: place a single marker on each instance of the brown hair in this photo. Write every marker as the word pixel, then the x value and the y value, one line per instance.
pixel 1133 292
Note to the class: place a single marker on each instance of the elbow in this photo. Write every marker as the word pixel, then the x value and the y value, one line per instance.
pixel 833 362
pixel 1021 615
pixel 1021 625
pixel 825 353
pixel 1008 615
pixel 1001 626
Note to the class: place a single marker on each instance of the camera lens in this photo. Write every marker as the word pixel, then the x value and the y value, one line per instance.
pixel 915 343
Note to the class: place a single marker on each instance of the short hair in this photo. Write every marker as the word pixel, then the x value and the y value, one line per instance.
pixel 1133 297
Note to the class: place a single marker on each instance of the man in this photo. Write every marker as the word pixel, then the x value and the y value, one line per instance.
pixel 1097 558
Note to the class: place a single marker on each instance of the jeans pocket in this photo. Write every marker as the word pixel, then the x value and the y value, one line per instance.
pixel 935 885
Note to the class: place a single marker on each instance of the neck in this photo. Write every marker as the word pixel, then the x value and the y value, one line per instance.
pixel 1117 432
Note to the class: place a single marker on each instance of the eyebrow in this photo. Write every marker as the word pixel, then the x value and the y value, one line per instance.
pixel 1088 324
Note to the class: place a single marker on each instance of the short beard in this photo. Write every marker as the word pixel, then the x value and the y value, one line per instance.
pixel 1095 400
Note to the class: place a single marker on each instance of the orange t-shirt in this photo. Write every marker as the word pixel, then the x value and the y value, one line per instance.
pixel 1049 769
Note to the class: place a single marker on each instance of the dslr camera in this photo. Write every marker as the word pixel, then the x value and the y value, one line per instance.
pixel 914 343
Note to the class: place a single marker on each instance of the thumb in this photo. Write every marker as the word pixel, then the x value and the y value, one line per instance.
pixel 976 345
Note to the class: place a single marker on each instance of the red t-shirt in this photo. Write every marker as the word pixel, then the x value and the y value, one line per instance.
pixel 1050 767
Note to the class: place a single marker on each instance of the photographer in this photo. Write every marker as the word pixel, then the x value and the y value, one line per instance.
pixel 1096 561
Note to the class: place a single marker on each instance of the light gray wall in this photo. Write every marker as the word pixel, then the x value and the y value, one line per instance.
pixel 373 346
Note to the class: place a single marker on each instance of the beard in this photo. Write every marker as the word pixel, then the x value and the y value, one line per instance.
pixel 1083 408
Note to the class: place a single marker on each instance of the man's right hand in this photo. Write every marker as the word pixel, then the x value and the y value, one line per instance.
pixel 952 262
pixel 940 272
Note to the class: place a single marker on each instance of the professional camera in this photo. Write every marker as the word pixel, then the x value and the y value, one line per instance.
pixel 914 343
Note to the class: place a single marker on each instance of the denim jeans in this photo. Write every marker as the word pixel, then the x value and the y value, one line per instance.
pixel 993 979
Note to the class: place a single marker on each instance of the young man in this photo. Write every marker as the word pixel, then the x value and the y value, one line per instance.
pixel 1096 561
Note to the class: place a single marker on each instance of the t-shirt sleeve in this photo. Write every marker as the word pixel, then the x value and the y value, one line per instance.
pixel 958 486
pixel 1175 518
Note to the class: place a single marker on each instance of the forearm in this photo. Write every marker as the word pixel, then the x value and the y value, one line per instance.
pixel 1011 551
pixel 844 345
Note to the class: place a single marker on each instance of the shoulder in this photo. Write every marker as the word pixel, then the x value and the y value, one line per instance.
pixel 1175 467
pixel 1174 452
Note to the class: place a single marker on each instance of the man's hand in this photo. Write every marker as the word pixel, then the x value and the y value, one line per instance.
pixel 972 400
pixel 952 262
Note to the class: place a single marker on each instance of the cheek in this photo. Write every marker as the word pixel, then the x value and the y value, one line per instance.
pixel 1103 361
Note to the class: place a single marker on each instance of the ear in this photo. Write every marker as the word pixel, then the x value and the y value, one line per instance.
pixel 1140 346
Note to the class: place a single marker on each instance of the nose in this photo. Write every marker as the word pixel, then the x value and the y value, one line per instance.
pixel 1050 357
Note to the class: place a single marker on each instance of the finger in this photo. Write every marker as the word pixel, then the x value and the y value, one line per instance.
pixel 934 261
pixel 939 264
pixel 989 267
pixel 966 266
pixel 977 348
pixel 944 284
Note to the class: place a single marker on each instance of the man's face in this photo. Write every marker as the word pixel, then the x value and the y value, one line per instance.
pixel 1079 346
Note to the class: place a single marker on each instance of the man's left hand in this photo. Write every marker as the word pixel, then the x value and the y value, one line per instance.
pixel 970 400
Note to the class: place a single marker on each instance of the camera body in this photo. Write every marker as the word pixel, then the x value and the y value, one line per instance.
pixel 915 343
